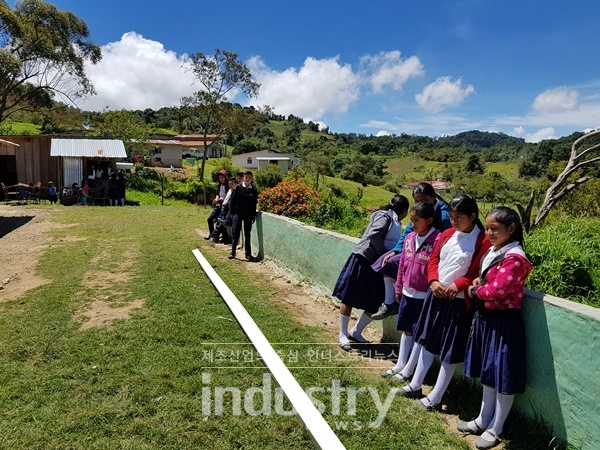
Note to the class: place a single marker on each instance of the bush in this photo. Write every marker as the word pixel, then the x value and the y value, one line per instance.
pixel 565 256
pixel 192 191
pixel 290 198
pixel 339 212
pixel 142 179
pixel 268 178
pixel 583 201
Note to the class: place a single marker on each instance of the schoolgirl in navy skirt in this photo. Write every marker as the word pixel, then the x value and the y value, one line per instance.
pixel 388 263
pixel 411 286
pixel 496 350
pixel 358 285
pixel 444 323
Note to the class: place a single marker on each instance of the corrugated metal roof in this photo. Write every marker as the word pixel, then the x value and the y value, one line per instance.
pixel 195 143
pixel 273 158
pixel 91 148
pixel 164 141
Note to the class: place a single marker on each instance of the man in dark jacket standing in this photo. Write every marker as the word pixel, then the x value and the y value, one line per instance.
pixel 243 210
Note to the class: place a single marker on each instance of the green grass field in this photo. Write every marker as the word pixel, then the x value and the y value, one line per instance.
pixel 140 383
pixel 19 128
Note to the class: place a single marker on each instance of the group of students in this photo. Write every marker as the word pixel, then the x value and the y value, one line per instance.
pixel 459 286
pixel 115 190
pixel 234 208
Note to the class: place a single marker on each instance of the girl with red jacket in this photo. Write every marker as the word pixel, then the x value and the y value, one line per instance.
pixel 443 326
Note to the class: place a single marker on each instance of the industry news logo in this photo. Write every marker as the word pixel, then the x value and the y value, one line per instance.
pixel 267 400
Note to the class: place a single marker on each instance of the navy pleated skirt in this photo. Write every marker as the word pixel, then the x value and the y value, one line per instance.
pixel 391 266
pixel 359 285
pixel 443 327
pixel 409 313
pixel 496 351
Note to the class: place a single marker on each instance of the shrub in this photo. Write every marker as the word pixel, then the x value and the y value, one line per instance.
pixel 290 198
pixel 339 212
pixel 142 179
pixel 191 191
pixel 268 178
pixel 565 256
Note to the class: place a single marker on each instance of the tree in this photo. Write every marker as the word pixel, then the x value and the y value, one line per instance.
pixel 125 125
pixel 474 165
pixel 569 179
pixel 220 74
pixel 42 55
pixel 317 164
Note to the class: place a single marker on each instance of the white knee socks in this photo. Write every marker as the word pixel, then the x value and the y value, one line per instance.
pixel 356 331
pixel 343 336
pixel 409 368
pixel 406 344
pixel 443 380
pixel 488 406
pixel 503 405
pixel 390 290
pixel 425 361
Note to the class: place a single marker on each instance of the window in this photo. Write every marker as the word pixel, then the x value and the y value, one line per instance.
pixel 249 160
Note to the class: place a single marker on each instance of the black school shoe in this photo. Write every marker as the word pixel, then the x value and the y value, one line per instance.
pixel 430 406
pixel 410 394
pixel 231 255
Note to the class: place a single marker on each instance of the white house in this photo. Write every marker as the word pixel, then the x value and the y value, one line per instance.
pixel 261 159
pixel 169 151
pixel 165 152
pixel 193 145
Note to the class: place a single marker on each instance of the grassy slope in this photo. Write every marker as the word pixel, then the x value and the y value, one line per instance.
pixel 21 128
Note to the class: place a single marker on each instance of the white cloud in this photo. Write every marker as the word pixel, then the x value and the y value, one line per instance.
pixel 540 135
pixel 438 125
pixel 556 100
pixel 519 131
pixel 317 88
pixel 443 93
pixel 137 73
pixel 390 69
pixel 383 133
pixel 322 125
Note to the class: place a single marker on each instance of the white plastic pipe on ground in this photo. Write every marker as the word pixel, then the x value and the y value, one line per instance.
pixel 315 424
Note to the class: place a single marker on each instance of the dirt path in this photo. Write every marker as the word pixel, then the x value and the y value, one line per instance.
pixel 24 237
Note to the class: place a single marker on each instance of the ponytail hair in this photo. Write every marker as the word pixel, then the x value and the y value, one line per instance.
pixel 398 203
pixel 507 217
pixel 465 204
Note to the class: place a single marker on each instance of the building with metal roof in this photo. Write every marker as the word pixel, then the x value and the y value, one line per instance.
pixel 88 148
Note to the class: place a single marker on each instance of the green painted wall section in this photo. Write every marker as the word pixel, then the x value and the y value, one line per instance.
pixel 562 337
pixel 308 252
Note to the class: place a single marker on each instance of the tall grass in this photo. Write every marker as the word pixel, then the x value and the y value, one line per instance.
pixel 565 255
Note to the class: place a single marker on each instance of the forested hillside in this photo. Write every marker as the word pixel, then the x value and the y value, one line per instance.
pixel 493 166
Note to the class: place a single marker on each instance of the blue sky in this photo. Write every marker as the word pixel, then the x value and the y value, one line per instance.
pixel 526 68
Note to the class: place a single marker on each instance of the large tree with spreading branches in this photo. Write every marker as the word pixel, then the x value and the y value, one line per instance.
pixel 219 75
pixel 42 56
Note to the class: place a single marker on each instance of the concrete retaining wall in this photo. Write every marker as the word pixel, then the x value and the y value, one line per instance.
pixel 563 338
